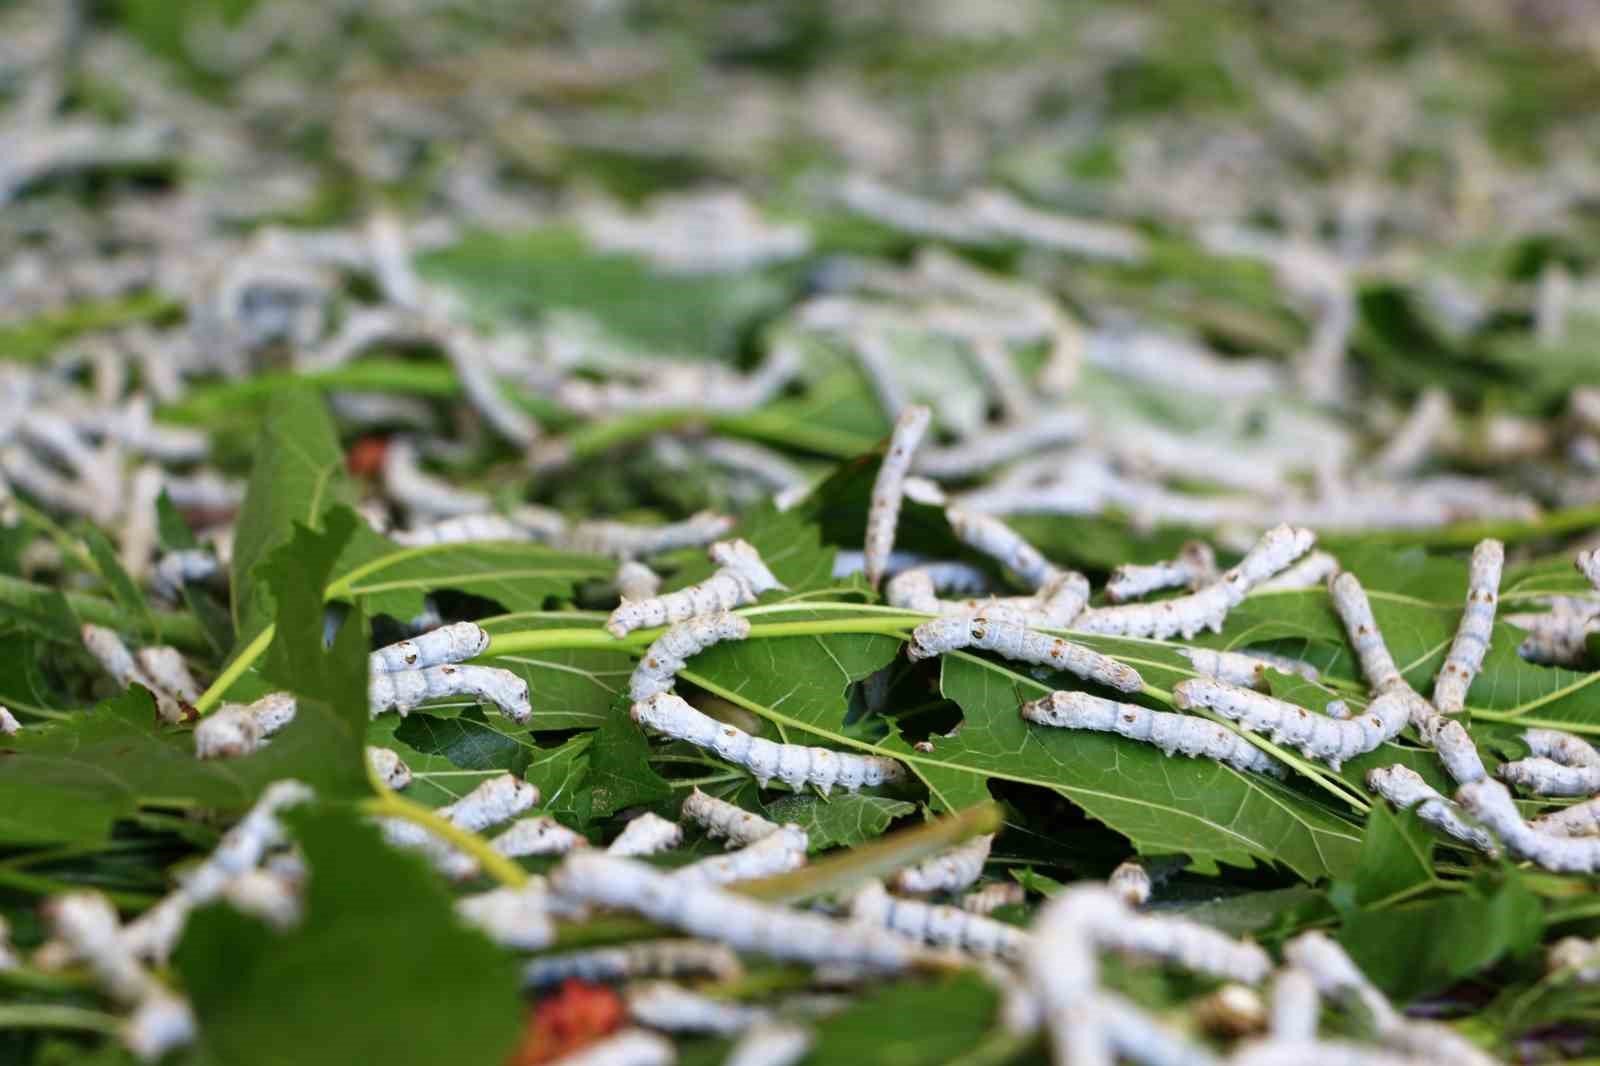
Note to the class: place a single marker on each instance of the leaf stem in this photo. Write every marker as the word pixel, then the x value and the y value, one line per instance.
pixel 597 639
pixel 389 804
pixel 179 629
pixel 1537 723
pixel 57 1016
pixel 236 669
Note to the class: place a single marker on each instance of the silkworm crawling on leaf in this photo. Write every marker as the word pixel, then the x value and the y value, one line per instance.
pixel 771 1044
pixel 1454 747
pixel 418 492
pixel 516 918
pixel 1195 565
pixel 1565 748
pixel 1311 572
pixel 1017 642
pixel 189 566
pixel 1350 603
pixel 719 818
pixel 273 898
pixel 665 1006
pixel 166 666
pixel 883 514
pixel 646 835
pixel 636 581
pixel 1405 788
pixel 462 529
pixel 949 871
pixel 454 643
pixel 1230 667
pixel 672 649
pixel 1131 882
pixel 775 853
pixel 1578 820
pixel 1588 564
pixel 1296 1005
pixel 1547 777
pixel 405 690
pixel 648 958
pixel 114 658
pixel 992 896
pixel 1465 659
pixel 536 836
pixel 1489 802
pixel 1332 740
pixel 934 924
pixel 990 448
pixel 713 913
pixel 1181 733
pixel 496 800
pixel 992 537
pixel 388 767
pixel 236 729
pixel 796 765
pixel 1556 638
pixel 624 540
pixel 741 577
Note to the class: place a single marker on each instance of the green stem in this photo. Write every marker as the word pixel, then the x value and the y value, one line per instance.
pixel 599 437
pixel 39 885
pixel 57 1016
pixel 597 639
pixel 1537 723
pixel 235 670
pixel 179 629
pixel 209 403
pixel 388 804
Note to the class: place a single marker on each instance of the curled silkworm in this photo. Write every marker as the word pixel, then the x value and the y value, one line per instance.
pixel 992 896
pixel 719 818
pixel 1351 604
pixel 982 451
pixel 949 871
pixel 516 918
pixel 1406 789
pixel 405 482
pixel 1453 745
pixel 624 540
pixel 646 835
pixel 934 924
pixel 114 657
pixel 406 689
pixel 741 577
pixel 1311 572
pixel 1196 565
pixel 1588 564
pixel 387 766
pixel 671 650
pixel 771 1044
pixel 454 643
pixel 648 958
pixel 636 581
pixel 884 513
pixel 1546 777
pixel 1194 737
pixel 236 729
pixel 630 1047
pixel 9 726
pixel 992 537
pixel 796 765
pixel 668 1007
pixel 1489 802
pixel 536 836
pixel 1332 740
pixel 1230 667
pixel 1565 748
pixel 775 853
pixel 1017 642
pixel 1477 621
pixel 1131 882
pixel 176 569
pixel 1208 607
pixel 714 913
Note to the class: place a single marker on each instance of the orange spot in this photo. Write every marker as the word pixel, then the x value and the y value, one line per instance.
pixel 578 1014
pixel 365 457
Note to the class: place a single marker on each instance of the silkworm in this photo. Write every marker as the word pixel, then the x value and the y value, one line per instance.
pixel 741 577
pixel 1350 603
pixel 775 853
pixel 949 871
pixel 1489 802
pixel 1296 1005
pixel 1311 572
pixel 719 818
pixel 515 918
pixel 992 896
pixel 454 643
pixel 670 651
pixel 1557 638
pixel 630 1047
pixel 1578 820
pixel 1134 1036
pixel 771 1044
pixel 1189 945
pixel 136 540
pixel 650 958
pixel 265 895
pixel 1465 659
pixel 1277 1052
pixel 1286 665
pixel 406 689
pixel 1131 883
pixel 636 581
pixel 1231 667
pixel 1017 642
pixel 405 483
pixel 1195 565
pixel 1453 745
pixel 948 575
pixel 1209 607
pixel 1194 737
pixel 1575 956
pixel 1564 748
pixel 983 451
pixel 54 491
pixel 625 540
pixel 468 358
pixel 536 836
pixel 668 1007
pixel 1547 777
pixel 9 726
pixel 495 800
pixel 238 729
pixel 713 913
pixel 1332 740
pixel 176 569
pixel 1588 564
pixel 795 765
pixel 646 835
pixel 1430 420
pixel 462 529
pixel 388 767
pixel 1406 789
pixel 166 666
pixel 115 659
pixel 987 534
pixel 934 924
pixel 883 515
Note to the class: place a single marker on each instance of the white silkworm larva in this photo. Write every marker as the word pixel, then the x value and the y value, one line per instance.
pixel 1454 747
pixel 646 835
pixel 388 767
pixel 636 581
pixel 1546 777
pixel 1588 564
pixel 776 853
pixel 266 895
pixel 1429 420
pixel 992 537
pixel 1285 664
pixel 1565 748
pixel 1131 882
pixel 713 913
pixel 665 1006
pixel 1012 640
pixel 1332 740
pixel 948 575
pixel 136 540
pixel 1477 621
pixel 166 666
pixel 741 577
pixel 468 357
pixel 625 540
pixel 462 529
pixel 649 958
pixel 671 650
pixel 1196 565
pixel 1558 638
pixel 405 482
pixel 1189 945
pixel 176 569
pixel 454 643
pixel 922 490
pixel 1277 1052
pixel 1296 1005
pixel 1406 789
pixel 1578 820
pixel 516 918
pixel 9 726
pixel 796 765
pixel 1490 802
pixel 1182 733
pixel 992 896
pixel 1048 429
pixel 1137 1037
pixel 934 924
pixel 237 729
pixel 114 657
pixel 536 836
pixel 949 871
pixel 630 1047
pixel 719 818
pixel 1232 667
pixel 1311 572
pixel 884 513
pixel 771 1044
pixel 1207 608
pixel 1350 603
pixel 492 802
pixel 406 689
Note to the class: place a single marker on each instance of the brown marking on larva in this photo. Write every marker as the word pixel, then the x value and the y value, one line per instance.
pixel 412 658
pixel 447 669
